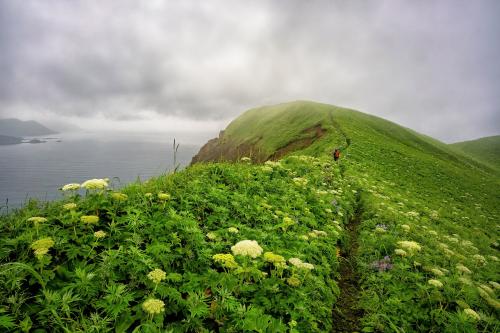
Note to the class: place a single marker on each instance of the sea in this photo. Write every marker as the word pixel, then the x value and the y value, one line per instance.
pixel 39 170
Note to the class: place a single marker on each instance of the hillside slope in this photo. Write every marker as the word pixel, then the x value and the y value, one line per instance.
pixel 399 235
pixel 486 150
pixel 415 188
pixel 20 128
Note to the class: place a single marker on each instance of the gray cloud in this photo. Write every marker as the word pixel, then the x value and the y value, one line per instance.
pixel 429 65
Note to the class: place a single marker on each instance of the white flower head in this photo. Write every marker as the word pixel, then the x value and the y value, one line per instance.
pixel 248 248
pixel 71 187
pixel 95 184
pixel 435 283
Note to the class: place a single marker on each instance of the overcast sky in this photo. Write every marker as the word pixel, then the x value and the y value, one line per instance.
pixel 433 66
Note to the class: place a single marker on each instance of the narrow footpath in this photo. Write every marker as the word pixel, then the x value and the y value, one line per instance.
pixel 346 313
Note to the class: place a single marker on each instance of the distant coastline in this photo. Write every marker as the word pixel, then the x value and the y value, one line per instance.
pixel 14 131
pixel 10 140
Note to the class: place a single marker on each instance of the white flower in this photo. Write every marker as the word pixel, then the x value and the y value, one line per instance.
pixel 405 227
pixel 410 246
pixel 100 234
pixel 300 264
pixel 437 272
pixel 233 230
pixel 463 269
pixel 69 206
pixel 400 252
pixel 95 184
pixel 37 219
pixel 472 314
pixel 435 283
pixel 267 169
pixel 247 248
pixel 212 235
pixel 71 187
pixel 157 275
pixel 479 259
pixel 153 306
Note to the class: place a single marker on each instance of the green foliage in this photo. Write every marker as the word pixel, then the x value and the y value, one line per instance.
pixel 94 276
pixel 485 150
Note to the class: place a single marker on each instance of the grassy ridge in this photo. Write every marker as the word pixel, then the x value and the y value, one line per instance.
pixel 486 150
pixel 409 188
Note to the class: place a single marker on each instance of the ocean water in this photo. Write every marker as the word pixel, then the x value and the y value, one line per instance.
pixel 39 170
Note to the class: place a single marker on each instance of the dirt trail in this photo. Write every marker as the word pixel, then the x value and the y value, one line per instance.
pixel 346 313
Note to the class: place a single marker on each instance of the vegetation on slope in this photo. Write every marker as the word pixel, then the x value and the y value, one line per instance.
pixel 95 274
pixel 486 150
pixel 427 250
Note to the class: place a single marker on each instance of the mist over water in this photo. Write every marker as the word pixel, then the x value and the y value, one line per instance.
pixel 39 170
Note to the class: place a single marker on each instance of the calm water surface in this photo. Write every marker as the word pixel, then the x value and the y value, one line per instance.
pixel 38 170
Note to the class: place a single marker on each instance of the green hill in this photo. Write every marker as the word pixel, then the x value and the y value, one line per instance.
pixel 399 235
pixel 486 150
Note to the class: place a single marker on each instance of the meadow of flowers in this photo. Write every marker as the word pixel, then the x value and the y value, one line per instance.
pixel 428 241
pixel 216 247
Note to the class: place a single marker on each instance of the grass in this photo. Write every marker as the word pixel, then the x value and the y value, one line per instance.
pixel 485 150
pixel 409 187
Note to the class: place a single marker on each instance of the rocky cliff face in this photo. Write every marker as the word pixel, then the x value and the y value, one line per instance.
pixel 223 149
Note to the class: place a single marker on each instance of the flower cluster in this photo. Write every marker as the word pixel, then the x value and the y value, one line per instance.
pixel 157 275
pixel 247 248
pixel 163 196
pixel 437 271
pixel 95 184
pixel 317 233
pixel 463 269
pixel 233 230
pixel 267 169
pixel 410 246
pixel 246 159
pixel 226 260
pixel 37 219
pixel 118 196
pixel 153 306
pixel 435 283
pixel 71 187
pixel 89 219
pixel 472 314
pixel 300 181
pixel 42 246
pixel 405 227
pixel 273 163
pixel 293 281
pixel 100 234
pixel 400 252
pixel 300 264
pixel 275 259
pixel 382 265
pixel 69 206
pixel 211 235
pixel 479 259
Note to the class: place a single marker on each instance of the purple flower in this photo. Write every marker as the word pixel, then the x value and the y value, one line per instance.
pixel 382 265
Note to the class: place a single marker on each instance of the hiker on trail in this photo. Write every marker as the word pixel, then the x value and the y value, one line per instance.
pixel 336 154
